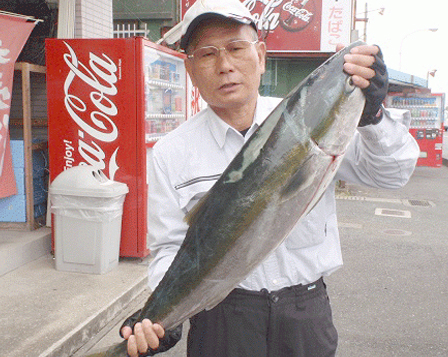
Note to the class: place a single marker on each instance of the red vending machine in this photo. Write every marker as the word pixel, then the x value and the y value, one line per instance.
pixel 427 117
pixel 109 101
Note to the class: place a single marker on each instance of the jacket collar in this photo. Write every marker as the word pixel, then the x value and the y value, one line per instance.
pixel 219 128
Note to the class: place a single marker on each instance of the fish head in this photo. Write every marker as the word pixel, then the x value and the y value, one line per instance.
pixel 333 134
pixel 328 104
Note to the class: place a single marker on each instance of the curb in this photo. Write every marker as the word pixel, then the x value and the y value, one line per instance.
pixel 84 332
pixel 21 251
pixel 97 343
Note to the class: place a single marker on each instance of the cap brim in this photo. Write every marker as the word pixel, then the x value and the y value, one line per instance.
pixel 194 24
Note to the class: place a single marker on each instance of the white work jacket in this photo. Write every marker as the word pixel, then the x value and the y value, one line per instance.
pixel 188 161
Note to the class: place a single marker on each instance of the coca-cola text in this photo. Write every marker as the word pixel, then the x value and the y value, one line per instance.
pixel 94 125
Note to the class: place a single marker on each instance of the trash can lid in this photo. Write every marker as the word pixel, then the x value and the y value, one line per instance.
pixel 86 181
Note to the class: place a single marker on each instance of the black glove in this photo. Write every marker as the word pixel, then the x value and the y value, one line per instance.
pixel 168 341
pixel 375 92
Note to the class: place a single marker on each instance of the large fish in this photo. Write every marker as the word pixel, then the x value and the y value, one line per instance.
pixel 276 178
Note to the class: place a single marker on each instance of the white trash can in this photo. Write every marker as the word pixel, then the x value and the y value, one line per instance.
pixel 88 210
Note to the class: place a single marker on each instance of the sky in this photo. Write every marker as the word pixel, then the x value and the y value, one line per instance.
pixel 404 25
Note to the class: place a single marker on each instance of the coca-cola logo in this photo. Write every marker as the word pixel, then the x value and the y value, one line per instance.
pixel 295 12
pixel 291 15
pixel 97 125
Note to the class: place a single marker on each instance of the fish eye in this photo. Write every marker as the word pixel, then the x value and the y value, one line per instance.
pixel 349 85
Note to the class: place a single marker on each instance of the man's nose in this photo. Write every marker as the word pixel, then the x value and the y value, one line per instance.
pixel 224 59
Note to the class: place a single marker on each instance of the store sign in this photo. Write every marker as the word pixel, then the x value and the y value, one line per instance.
pixel 290 26
pixel 336 23
pixel 14 32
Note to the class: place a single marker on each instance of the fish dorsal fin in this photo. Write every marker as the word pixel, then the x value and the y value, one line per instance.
pixel 192 215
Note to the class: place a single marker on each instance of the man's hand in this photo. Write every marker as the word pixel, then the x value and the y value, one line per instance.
pixel 366 66
pixel 146 335
pixel 358 64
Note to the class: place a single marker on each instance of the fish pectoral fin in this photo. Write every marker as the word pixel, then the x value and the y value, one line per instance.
pixel 192 215
pixel 303 178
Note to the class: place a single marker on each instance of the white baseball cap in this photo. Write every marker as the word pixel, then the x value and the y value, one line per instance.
pixel 203 9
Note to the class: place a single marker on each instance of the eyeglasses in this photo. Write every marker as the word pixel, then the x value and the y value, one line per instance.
pixel 208 55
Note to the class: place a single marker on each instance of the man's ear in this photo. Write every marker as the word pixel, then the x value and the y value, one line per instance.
pixel 261 50
pixel 189 68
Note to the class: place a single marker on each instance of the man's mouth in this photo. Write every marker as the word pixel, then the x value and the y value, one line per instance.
pixel 228 86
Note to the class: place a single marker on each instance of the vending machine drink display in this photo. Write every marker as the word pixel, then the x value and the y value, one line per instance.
pixel 427 117
pixel 164 94
pixel 109 101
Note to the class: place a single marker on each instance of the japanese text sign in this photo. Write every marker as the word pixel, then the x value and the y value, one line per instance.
pixel 291 26
pixel 14 32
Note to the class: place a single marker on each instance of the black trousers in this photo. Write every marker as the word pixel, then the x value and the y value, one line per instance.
pixel 291 322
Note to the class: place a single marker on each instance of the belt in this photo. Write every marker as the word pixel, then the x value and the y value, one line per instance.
pixel 303 291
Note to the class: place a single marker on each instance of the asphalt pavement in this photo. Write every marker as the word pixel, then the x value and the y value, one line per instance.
pixel 391 296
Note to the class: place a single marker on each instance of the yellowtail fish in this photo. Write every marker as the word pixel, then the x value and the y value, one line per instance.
pixel 277 178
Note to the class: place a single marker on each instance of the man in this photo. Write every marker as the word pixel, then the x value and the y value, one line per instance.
pixel 282 308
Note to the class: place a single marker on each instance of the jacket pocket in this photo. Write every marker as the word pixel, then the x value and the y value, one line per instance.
pixel 311 231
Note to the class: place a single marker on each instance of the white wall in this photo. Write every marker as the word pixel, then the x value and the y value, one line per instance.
pixel 93 19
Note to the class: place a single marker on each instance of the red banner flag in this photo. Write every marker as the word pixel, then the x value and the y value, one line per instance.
pixel 14 32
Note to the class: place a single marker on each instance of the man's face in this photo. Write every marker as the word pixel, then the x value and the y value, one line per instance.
pixel 229 83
